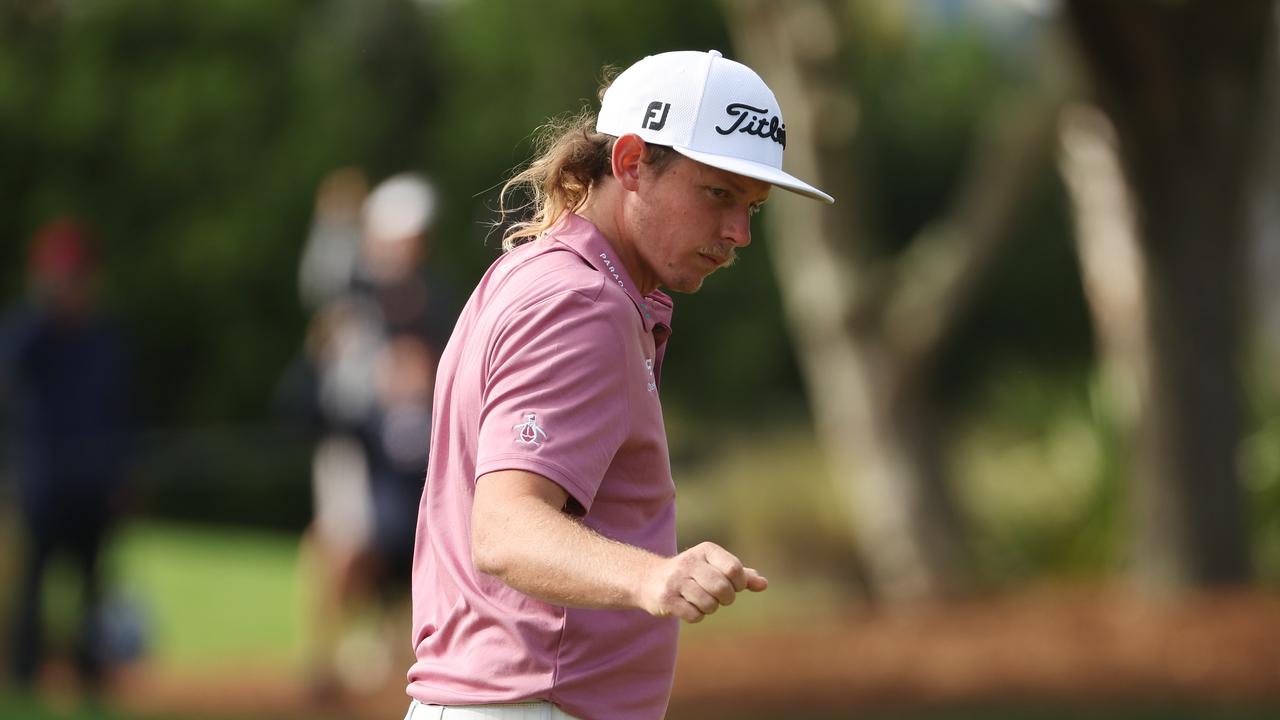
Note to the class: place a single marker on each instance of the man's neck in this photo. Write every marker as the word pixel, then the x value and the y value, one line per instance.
pixel 604 210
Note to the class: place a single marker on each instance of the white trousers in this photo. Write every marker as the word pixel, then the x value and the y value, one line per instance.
pixel 533 710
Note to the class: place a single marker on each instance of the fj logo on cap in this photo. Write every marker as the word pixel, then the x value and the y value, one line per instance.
pixel 760 124
pixel 656 115
pixel 528 432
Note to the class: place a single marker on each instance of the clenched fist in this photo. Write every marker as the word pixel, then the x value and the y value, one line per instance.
pixel 696 583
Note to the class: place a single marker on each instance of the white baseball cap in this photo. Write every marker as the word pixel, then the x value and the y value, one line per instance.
pixel 707 108
pixel 399 207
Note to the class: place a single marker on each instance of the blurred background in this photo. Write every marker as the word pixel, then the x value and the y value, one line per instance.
pixel 1002 426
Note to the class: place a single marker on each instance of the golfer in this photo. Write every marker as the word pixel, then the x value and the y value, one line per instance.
pixel 546 579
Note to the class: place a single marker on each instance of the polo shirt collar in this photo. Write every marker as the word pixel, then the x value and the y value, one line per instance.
pixel 582 236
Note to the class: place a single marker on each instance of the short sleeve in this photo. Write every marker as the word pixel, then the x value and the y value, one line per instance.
pixel 555 400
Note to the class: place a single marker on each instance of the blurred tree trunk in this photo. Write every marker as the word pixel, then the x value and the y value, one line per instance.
pixel 1180 82
pixel 868 329
pixel 1265 217
pixel 1114 283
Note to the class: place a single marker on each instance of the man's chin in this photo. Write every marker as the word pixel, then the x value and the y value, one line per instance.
pixel 685 285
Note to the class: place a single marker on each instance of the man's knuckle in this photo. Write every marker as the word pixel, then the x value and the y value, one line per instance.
pixel 687 612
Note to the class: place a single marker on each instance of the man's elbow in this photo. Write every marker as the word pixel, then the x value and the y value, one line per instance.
pixel 489 553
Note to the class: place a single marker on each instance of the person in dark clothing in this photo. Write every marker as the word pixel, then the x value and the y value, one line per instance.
pixel 371 349
pixel 64 371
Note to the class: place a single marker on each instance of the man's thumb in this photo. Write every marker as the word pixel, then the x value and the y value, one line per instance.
pixel 755 581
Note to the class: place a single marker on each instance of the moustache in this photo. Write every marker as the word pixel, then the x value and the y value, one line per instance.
pixel 726 256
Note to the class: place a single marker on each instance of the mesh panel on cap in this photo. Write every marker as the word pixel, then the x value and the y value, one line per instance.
pixel 673 81
pixel 731 84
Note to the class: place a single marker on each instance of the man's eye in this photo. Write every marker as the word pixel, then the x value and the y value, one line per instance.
pixel 719 193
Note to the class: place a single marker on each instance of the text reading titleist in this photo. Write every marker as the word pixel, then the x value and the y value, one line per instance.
pixel 760 124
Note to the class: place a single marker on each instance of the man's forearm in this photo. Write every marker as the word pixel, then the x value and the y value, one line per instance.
pixel 547 554
pixel 521 536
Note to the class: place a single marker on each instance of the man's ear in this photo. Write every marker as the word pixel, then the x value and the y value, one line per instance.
pixel 628 152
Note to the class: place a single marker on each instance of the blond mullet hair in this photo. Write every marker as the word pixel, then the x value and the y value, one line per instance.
pixel 570 157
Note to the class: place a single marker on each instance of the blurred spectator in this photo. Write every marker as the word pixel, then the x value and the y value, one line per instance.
pixel 332 252
pixel 379 326
pixel 64 368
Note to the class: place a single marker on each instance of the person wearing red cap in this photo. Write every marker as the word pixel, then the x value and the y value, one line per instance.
pixel 65 366
pixel 547 580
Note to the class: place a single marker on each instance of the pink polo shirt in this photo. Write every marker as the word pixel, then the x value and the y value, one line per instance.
pixel 552 368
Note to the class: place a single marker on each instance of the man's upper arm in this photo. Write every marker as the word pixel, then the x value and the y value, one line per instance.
pixel 504 487
pixel 504 500
pixel 555 402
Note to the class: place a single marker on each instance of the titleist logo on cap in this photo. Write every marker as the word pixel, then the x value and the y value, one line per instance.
pixel 761 123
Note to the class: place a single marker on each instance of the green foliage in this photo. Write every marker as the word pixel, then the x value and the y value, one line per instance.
pixel 921 98
pixel 1040 474
pixel 192 136
pixel 1031 310
pixel 770 497
pixel 924 92
pixel 1260 461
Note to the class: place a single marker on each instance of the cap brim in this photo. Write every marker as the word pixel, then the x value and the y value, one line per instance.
pixel 758 171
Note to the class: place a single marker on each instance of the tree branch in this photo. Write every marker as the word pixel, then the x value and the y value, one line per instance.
pixel 935 279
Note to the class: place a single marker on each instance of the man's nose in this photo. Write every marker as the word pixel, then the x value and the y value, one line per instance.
pixel 736 228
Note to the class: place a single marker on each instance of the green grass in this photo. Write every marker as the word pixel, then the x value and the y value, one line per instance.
pixel 210 598
pixel 213 596
pixel 14 706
